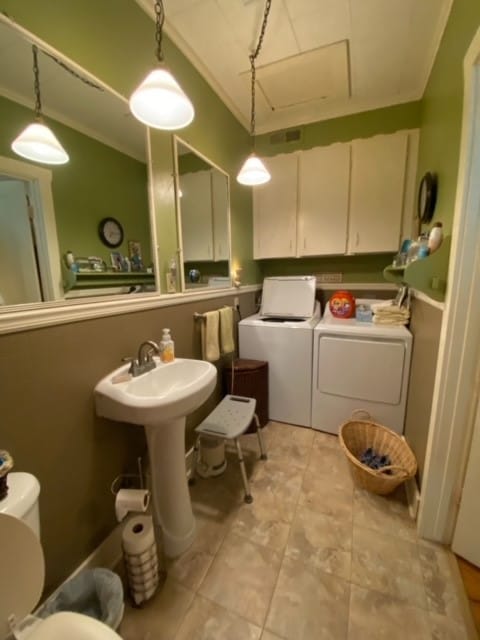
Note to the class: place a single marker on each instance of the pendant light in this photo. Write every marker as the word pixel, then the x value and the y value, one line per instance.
pixel 159 101
pixel 254 171
pixel 37 142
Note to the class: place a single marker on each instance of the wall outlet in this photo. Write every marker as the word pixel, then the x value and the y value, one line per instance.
pixel 236 302
pixel 329 277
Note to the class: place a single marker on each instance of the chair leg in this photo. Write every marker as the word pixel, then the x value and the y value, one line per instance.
pixel 193 470
pixel 248 496
pixel 263 451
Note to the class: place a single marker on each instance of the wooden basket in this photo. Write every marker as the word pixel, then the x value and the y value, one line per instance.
pixel 356 436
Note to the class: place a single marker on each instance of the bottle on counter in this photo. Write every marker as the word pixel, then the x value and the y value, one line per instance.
pixel 167 347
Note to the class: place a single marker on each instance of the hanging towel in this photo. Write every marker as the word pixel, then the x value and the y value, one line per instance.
pixel 227 342
pixel 210 342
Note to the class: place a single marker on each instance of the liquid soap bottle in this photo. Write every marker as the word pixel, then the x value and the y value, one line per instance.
pixel 167 347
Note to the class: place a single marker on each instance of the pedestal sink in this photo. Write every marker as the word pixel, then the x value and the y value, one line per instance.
pixel 160 400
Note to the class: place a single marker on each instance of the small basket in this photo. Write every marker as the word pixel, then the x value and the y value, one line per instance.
pixel 356 436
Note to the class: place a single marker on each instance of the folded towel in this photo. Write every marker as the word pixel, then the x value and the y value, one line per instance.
pixel 210 343
pixel 227 342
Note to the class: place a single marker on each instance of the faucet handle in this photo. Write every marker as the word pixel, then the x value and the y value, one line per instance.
pixel 133 364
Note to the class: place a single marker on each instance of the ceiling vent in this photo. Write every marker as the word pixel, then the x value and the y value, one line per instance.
pixel 291 135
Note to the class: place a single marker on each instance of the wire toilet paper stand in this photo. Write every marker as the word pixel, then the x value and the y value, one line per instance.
pixel 141 558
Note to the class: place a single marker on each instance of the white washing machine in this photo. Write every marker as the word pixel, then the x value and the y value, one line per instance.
pixel 359 365
pixel 282 334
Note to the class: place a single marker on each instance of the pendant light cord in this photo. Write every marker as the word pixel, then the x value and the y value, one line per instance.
pixel 253 56
pixel 159 22
pixel 36 83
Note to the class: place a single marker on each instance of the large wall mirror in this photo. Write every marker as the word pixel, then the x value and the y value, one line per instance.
pixel 203 208
pixel 49 212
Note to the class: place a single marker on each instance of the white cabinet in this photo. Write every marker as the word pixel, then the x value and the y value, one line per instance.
pixel 204 216
pixel 275 209
pixel 196 215
pixel 377 190
pixel 348 198
pixel 221 245
pixel 323 184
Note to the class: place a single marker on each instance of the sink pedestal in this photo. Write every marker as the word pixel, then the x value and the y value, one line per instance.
pixel 172 507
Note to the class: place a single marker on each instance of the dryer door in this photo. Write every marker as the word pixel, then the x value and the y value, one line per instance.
pixel 363 369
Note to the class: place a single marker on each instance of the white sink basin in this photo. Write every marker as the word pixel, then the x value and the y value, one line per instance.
pixel 171 390
pixel 160 400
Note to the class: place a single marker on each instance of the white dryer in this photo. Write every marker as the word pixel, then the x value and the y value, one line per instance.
pixel 359 365
pixel 282 334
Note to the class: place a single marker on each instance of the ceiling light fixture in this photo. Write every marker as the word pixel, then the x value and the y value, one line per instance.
pixel 254 171
pixel 159 101
pixel 37 142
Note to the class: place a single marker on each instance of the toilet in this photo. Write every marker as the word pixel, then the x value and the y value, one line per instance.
pixel 23 573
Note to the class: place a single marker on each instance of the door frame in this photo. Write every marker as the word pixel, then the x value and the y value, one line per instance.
pixel 457 379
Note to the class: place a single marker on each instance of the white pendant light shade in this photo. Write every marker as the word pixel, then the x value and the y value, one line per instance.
pixel 253 172
pixel 38 143
pixel 159 102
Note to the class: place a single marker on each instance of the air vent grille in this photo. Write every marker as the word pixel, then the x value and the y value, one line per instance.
pixel 291 135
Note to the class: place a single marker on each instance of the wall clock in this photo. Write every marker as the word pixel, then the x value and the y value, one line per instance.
pixel 111 232
pixel 427 197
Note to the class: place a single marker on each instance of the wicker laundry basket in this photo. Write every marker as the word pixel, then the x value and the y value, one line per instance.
pixel 356 436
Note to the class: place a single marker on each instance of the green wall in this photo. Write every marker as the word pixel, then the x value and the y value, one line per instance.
pixel 97 182
pixel 442 105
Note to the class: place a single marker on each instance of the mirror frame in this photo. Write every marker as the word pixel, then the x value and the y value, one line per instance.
pixel 176 140
pixel 23 317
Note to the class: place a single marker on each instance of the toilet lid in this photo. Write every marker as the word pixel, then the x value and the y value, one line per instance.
pixel 22 568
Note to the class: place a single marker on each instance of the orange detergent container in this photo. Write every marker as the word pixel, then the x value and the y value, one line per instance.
pixel 342 304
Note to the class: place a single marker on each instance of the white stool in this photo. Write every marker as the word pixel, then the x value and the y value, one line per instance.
pixel 229 420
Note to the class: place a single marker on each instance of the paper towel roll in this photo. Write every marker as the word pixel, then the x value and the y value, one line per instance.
pixel 138 535
pixel 131 500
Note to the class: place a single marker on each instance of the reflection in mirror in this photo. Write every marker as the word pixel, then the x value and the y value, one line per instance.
pixel 204 221
pixel 51 244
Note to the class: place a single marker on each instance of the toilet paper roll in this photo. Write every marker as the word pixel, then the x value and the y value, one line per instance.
pixel 138 535
pixel 131 500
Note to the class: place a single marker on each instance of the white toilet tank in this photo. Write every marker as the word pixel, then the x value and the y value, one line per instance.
pixel 22 499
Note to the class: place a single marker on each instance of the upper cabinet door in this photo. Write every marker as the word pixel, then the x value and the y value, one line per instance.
pixel 221 244
pixel 275 210
pixel 196 213
pixel 377 192
pixel 324 177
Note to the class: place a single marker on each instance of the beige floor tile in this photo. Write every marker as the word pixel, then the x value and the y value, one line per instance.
pixel 308 604
pixel 324 440
pixel 267 635
pixel 287 452
pixel 388 514
pixel 322 541
pixel 378 616
pixel 266 521
pixel 442 628
pixel 325 495
pixel 242 578
pixel 211 529
pixel 387 564
pixel 206 620
pixel 443 591
pixel 190 568
pixel 331 464
pixel 279 481
pixel 159 618
pixel 292 434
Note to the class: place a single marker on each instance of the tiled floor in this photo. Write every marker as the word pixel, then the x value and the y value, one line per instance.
pixel 311 559
pixel 471 581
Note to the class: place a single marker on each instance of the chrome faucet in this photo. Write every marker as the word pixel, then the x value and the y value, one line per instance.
pixel 144 361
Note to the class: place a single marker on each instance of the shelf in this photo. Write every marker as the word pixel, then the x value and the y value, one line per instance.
pixel 100 279
pixel 428 275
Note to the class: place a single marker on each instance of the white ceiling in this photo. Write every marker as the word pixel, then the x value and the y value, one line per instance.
pixel 391 45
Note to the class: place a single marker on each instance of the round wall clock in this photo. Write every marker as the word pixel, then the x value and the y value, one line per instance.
pixel 427 197
pixel 111 232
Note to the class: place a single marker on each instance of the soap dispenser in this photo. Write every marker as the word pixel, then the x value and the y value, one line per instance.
pixel 167 351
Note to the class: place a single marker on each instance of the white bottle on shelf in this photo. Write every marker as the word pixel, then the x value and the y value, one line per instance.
pixel 435 237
